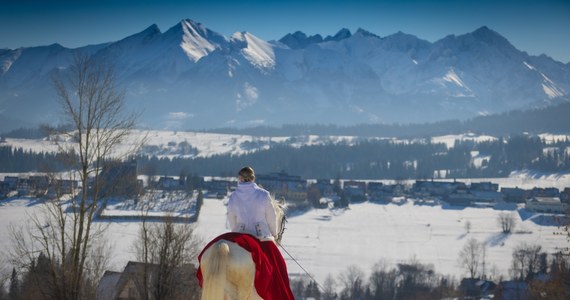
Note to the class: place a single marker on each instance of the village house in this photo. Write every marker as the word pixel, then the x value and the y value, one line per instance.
pixel 436 188
pixel 219 188
pixel 565 196
pixel 325 187
pixel 516 195
pixel 391 191
pixel 484 186
pixel 4 190
pixel 138 277
pixel 39 183
pixel 546 204
pixel 63 186
pixel 355 190
pixel 282 185
pixel 119 179
pixel 545 192
pixel 11 182
pixel 375 191
pixel 168 183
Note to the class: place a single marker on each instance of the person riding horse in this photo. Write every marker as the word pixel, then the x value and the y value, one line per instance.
pixel 254 226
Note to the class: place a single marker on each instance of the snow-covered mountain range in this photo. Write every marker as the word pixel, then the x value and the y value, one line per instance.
pixel 192 77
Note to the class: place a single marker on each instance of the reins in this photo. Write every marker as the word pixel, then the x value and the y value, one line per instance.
pixel 300 266
pixel 279 237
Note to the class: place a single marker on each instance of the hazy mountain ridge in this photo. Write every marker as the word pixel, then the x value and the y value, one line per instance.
pixel 192 77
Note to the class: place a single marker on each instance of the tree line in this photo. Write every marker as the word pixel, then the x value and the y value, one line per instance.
pixel 380 159
pixel 19 160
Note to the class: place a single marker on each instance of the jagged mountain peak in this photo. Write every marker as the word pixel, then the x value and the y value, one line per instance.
pixel 257 51
pixel 149 32
pixel 365 33
pixel 195 39
pixel 491 37
pixel 299 40
pixel 342 34
pixel 396 78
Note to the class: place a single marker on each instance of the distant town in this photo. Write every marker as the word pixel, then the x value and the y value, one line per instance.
pixel 121 181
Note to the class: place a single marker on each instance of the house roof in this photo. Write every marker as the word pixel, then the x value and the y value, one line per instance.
pixel 107 284
pixel 546 200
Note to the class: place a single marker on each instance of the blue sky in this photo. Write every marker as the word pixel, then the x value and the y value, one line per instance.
pixel 534 26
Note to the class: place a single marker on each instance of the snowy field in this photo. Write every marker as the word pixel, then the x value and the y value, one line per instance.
pixel 327 241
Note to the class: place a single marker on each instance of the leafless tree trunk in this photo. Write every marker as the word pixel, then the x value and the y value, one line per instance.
pixel 507 222
pixel 472 257
pixel 526 261
pixel 351 282
pixel 167 249
pixel 65 233
pixel 468 226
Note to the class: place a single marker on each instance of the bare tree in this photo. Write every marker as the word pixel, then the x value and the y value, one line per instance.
pixel 65 233
pixel 472 257
pixel 526 261
pixel 468 226
pixel 329 292
pixel 507 222
pixel 352 281
pixel 167 250
pixel 383 281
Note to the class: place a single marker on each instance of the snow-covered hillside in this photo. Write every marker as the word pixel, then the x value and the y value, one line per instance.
pixel 199 144
pixel 192 77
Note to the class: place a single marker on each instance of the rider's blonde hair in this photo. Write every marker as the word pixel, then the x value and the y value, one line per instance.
pixel 247 174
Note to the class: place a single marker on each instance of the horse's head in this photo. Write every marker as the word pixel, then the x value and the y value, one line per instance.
pixel 279 207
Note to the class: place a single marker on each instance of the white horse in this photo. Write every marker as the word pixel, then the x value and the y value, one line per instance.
pixel 228 271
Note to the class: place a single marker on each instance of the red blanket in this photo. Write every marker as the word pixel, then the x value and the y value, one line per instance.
pixel 271 278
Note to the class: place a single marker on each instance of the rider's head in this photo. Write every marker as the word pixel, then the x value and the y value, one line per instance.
pixel 246 174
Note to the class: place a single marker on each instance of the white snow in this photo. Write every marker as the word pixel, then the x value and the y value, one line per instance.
pixel 327 241
pixel 259 52
pixel 452 77
pixel 449 140
pixel 529 66
pixel 362 235
pixel 550 88
pixel 193 43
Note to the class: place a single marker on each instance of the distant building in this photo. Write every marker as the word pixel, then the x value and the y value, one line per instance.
pixel 355 190
pixel 460 197
pixel 484 186
pixel 283 185
pixel 375 191
pixel 119 179
pixel 63 186
pixel 219 188
pixel 565 196
pixel 546 204
pixel 12 182
pixel 477 288
pixel 515 194
pixel 4 190
pixel 130 284
pixel 325 187
pixel 391 191
pixel 168 183
pixel 545 192
pixel 437 188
